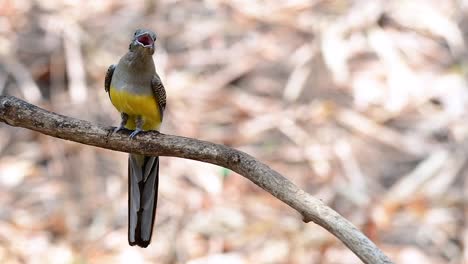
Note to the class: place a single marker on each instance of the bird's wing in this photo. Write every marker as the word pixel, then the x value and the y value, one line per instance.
pixel 107 82
pixel 159 92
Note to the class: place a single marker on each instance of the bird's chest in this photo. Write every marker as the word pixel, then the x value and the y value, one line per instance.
pixel 136 105
pixel 135 98
pixel 132 93
pixel 132 103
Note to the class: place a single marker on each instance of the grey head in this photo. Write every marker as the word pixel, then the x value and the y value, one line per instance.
pixel 143 42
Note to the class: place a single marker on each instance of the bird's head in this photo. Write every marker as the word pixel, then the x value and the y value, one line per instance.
pixel 143 41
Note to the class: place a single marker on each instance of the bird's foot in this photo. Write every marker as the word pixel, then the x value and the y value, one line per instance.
pixel 117 129
pixel 134 133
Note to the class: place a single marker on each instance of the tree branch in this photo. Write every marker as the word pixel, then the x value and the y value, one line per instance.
pixel 16 112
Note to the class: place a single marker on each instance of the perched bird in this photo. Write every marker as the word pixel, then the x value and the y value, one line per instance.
pixel 136 91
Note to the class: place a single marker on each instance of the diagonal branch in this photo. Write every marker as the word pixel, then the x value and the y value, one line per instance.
pixel 16 112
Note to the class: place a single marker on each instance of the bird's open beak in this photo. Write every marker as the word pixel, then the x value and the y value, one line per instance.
pixel 145 40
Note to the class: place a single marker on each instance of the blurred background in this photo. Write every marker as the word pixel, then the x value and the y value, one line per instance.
pixel 361 103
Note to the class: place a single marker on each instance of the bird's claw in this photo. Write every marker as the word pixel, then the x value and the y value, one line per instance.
pixel 134 133
pixel 117 129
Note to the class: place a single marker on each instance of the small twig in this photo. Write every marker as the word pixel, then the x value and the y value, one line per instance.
pixel 411 184
pixel 387 136
pixel 25 81
pixel 75 63
pixel 301 72
pixel 16 112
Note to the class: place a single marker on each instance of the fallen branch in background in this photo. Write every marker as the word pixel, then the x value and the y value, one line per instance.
pixel 16 112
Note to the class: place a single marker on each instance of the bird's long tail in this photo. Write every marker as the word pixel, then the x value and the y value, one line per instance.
pixel 143 177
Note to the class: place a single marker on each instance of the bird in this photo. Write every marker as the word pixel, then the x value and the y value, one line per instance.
pixel 136 91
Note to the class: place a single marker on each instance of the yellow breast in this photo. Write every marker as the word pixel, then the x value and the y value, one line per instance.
pixel 137 105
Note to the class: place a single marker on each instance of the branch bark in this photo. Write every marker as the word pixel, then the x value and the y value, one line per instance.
pixel 16 112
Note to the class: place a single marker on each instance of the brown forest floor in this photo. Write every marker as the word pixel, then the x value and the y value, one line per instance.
pixel 361 103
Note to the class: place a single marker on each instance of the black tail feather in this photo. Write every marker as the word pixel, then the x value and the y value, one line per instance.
pixel 143 178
